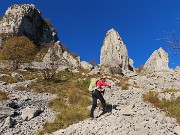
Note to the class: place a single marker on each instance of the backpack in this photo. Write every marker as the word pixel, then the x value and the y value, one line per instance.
pixel 92 85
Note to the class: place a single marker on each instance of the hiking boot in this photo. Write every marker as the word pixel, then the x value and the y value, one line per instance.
pixel 91 118
pixel 103 112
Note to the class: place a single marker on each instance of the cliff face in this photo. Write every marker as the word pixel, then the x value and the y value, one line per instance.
pixel 26 20
pixel 114 53
pixel 60 57
pixel 158 61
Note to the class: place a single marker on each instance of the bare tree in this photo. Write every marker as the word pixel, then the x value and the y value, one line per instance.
pixel 172 39
pixel 50 69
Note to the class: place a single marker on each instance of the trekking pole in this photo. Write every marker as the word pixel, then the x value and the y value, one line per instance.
pixel 112 100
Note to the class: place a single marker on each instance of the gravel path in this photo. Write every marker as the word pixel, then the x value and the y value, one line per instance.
pixel 129 116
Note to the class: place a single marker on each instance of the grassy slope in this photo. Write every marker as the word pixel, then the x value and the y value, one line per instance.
pixel 172 108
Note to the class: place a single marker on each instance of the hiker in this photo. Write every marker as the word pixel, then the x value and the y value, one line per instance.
pixel 98 94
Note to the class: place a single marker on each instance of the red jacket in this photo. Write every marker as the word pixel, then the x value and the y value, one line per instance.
pixel 101 83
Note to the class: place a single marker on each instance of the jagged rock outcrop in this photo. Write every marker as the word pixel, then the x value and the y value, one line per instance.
pixel 158 61
pixel 56 58
pixel 60 58
pixel 86 65
pixel 156 74
pixel 72 60
pixel 114 55
pixel 26 20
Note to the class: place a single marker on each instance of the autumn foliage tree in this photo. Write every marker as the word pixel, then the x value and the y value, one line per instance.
pixel 18 50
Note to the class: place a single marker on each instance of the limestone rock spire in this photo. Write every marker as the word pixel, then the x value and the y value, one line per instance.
pixel 158 61
pixel 114 52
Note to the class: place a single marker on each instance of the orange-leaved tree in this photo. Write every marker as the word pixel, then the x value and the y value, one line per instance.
pixel 18 49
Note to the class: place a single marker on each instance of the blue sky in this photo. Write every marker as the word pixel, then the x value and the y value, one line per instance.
pixel 82 24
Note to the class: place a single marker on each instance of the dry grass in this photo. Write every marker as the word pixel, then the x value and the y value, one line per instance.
pixel 151 97
pixel 125 87
pixel 41 53
pixel 140 69
pixel 171 90
pixel 27 75
pixel 67 117
pixel 3 95
pixel 123 83
pixel 172 108
pixel 72 99
pixel 21 88
pixel 9 79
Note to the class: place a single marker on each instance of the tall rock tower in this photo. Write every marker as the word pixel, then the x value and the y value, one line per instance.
pixel 114 54
pixel 158 61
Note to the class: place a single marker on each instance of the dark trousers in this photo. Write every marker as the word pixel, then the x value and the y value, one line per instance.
pixel 97 95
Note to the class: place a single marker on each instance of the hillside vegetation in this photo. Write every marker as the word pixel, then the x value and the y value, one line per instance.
pixel 72 98
pixel 171 107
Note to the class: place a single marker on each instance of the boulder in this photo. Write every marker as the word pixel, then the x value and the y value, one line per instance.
pixel 177 130
pixel 30 112
pixel 8 122
pixel 5 117
pixel 16 75
pixel 6 111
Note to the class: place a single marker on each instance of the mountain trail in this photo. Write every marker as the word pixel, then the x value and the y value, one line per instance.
pixel 128 116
